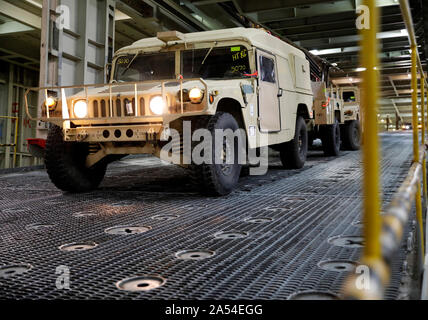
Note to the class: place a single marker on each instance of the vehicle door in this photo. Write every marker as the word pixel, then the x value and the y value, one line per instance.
pixel 269 93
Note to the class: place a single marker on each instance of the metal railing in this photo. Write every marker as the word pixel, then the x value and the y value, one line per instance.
pixel 383 233
pixel 15 143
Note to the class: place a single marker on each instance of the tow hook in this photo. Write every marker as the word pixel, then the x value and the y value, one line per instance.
pixel 82 136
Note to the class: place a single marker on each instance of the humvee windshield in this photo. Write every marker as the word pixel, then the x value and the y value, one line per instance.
pixel 154 66
pixel 349 96
pixel 216 63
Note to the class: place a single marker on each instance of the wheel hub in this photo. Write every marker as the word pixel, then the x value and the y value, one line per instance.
pixel 227 165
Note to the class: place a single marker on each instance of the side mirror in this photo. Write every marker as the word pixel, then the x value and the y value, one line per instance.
pixel 107 71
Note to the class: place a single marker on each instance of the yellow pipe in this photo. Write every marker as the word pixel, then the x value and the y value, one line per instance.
pixel 415 122
pixel 422 106
pixel 419 218
pixel 424 170
pixel 15 149
pixel 16 136
pixel 408 21
pixel 415 106
pixel 370 151
pixel 426 118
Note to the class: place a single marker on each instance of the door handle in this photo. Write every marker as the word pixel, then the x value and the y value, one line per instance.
pixel 280 92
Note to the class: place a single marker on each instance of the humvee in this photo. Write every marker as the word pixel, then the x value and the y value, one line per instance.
pixel 351 130
pixel 336 118
pixel 216 80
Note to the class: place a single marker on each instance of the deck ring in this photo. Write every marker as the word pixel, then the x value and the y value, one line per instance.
pixel 194 254
pixel 127 230
pixel 124 203
pixel 293 199
pixel 337 265
pixel 8 271
pixel 165 217
pixel 347 241
pixel 314 295
pixel 83 214
pixel 38 226
pixel 78 246
pixel 230 235
pixel 258 220
pixel 142 283
pixel 358 224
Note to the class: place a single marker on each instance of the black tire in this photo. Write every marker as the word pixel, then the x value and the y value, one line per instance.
pixel 65 164
pixel 293 153
pixel 351 135
pixel 218 179
pixel 331 139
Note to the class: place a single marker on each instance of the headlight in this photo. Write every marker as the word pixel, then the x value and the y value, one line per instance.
pixel 196 95
pixel 157 105
pixel 80 109
pixel 50 103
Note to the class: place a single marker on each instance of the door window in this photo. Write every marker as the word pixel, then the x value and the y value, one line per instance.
pixel 267 69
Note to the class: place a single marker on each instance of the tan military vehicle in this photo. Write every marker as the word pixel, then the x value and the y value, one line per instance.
pixel 351 130
pixel 217 80
pixel 336 118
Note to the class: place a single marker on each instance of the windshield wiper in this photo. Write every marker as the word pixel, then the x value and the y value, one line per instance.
pixel 130 63
pixel 209 51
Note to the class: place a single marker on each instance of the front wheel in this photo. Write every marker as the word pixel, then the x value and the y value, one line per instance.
pixel 331 139
pixel 293 153
pixel 352 135
pixel 66 164
pixel 221 176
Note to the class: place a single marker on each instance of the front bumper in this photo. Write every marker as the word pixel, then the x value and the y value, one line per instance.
pixel 128 133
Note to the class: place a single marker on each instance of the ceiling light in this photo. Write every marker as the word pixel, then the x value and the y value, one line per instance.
pixel 360 69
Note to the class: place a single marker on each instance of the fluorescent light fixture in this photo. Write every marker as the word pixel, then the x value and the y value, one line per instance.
pixel 404 32
pixel 326 51
pixel 360 69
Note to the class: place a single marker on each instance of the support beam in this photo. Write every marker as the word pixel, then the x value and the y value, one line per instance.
pixel 180 9
pixel 396 110
pixel 21 15
pixel 209 22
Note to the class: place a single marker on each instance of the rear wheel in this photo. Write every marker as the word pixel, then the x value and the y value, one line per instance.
pixel 352 135
pixel 219 179
pixel 66 164
pixel 293 153
pixel 331 139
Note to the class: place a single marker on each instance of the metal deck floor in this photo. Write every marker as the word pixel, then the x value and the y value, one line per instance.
pixel 276 259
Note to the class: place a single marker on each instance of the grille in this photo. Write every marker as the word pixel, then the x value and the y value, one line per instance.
pixel 121 107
